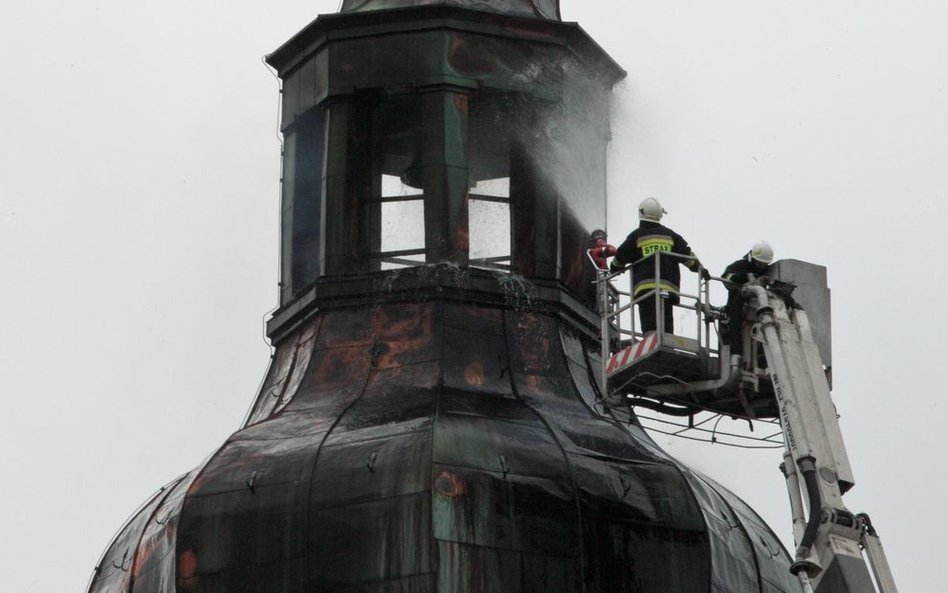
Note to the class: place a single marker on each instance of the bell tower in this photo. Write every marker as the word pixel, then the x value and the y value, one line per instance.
pixel 458 132
pixel 432 418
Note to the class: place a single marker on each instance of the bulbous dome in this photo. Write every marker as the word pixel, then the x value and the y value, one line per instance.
pixel 432 447
pixel 548 9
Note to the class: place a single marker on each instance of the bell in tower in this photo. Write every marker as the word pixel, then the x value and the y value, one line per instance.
pixel 431 420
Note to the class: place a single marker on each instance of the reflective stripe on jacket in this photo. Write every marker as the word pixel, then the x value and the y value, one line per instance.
pixel 646 285
pixel 642 244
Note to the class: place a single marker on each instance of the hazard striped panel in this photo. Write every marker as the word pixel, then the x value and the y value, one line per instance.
pixel 631 353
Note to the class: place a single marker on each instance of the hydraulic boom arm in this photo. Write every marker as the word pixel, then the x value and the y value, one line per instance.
pixel 837 551
pixel 835 548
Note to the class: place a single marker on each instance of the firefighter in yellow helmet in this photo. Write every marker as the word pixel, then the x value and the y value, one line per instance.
pixel 639 248
pixel 740 272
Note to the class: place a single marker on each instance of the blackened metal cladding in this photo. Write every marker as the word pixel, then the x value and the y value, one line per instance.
pixel 440 446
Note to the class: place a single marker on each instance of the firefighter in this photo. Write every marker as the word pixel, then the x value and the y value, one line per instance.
pixel 739 273
pixel 639 248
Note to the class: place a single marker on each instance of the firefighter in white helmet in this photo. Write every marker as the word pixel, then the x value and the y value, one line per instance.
pixel 742 271
pixel 639 248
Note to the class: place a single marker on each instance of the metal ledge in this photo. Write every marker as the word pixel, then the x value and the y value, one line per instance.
pixel 336 26
pixel 434 282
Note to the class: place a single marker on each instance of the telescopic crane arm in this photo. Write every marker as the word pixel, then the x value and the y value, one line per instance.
pixel 836 549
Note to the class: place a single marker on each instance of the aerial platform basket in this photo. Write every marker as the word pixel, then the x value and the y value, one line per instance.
pixel 678 376
pixel 675 374
pixel 658 358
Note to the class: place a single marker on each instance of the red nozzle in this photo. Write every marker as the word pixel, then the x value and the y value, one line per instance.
pixel 601 250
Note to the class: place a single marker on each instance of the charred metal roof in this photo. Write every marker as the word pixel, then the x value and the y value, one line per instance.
pixel 374 23
pixel 437 446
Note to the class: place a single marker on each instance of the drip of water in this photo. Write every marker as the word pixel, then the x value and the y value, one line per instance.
pixel 519 292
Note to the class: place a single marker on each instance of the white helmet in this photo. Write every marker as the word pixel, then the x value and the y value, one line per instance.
pixel 762 252
pixel 651 210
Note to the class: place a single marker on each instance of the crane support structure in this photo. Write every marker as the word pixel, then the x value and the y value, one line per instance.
pixel 785 373
pixel 830 539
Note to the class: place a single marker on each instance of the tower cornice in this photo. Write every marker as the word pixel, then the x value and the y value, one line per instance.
pixel 372 24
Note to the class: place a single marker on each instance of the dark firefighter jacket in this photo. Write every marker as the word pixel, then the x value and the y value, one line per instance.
pixel 740 271
pixel 649 238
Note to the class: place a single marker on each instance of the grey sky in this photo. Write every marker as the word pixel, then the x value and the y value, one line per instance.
pixel 139 168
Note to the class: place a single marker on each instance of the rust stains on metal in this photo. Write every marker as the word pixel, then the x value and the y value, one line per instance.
pixel 462 103
pixel 532 342
pixel 405 336
pixel 474 374
pixel 471 57
pixel 187 564
pixel 449 484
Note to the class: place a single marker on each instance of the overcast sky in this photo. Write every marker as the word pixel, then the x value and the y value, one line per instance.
pixel 139 218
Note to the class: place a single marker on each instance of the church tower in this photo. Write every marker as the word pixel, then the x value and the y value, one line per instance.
pixel 431 419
